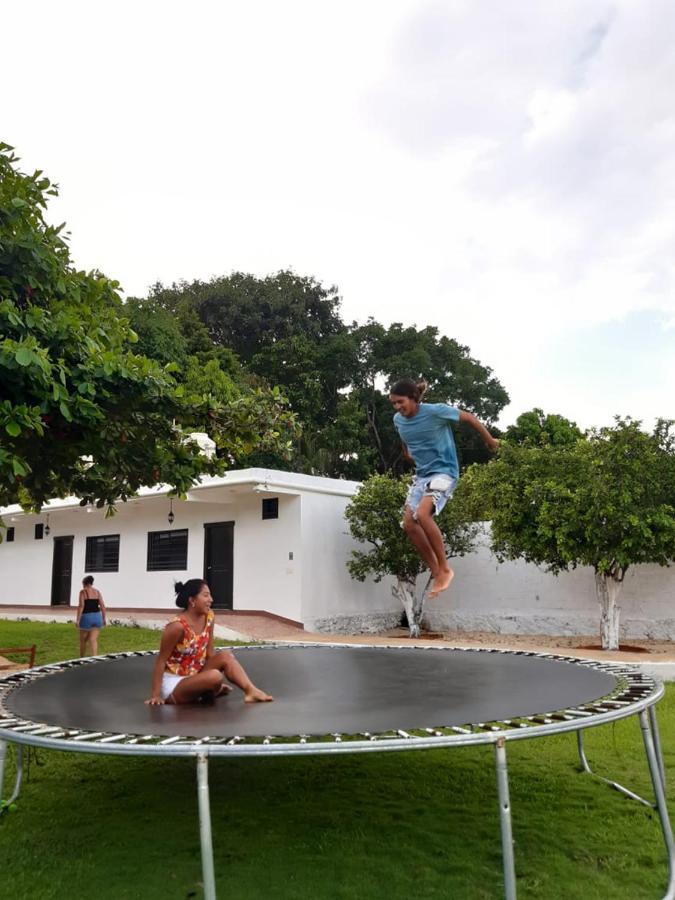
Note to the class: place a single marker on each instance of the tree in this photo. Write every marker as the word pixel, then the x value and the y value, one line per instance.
pixel 607 502
pixel 286 330
pixel 535 428
pixel 374 517
pixel 249 314
pixel 80 413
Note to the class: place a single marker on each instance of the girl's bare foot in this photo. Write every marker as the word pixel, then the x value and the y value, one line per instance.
pixel 223 690
pixel 441 582
pixel 255 695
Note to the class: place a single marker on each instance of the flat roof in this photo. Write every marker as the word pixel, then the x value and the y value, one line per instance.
pixel 260 480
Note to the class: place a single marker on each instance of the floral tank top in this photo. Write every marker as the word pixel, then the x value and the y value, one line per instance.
pixel 189 654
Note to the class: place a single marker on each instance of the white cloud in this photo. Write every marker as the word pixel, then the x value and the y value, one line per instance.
pixel 503 171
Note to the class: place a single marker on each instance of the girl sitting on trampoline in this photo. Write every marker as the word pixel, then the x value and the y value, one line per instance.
pixel 424 429
pixel 187 668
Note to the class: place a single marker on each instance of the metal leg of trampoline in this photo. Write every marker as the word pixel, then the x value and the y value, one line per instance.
pixel 3 757
pixel 505 820
pixel 205 838
pixel 19 774
pixel 651 741
pixel 615 784
pixel 657 743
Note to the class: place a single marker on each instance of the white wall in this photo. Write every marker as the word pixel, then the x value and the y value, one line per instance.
pixel 264 576
pixel 519 598
pixel 331 599
pixel 26 564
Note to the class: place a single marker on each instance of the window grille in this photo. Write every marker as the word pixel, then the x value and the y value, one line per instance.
pixel 103 553
pixel 167 550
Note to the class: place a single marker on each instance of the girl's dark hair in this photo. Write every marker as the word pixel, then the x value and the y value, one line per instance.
pixel 190 589
pixel 406 387
pixel 88 580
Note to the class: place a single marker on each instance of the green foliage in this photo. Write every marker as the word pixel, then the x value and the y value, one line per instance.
pixel 159 333
pixel 607 501
pixel 535 428
pixel 374 516
pixel 80 412
pixel 286 330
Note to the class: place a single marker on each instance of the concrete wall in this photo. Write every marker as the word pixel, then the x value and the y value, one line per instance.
pixel 331 599
pixel 519 598
pixel 263 578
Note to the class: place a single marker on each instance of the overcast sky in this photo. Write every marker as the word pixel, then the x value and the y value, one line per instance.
pixel 504 171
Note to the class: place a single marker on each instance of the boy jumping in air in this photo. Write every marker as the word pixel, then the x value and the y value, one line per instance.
pixel 424 429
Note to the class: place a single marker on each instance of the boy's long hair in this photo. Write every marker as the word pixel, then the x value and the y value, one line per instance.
pixel 406 387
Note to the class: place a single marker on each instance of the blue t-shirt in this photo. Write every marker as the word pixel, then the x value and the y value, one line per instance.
pixel 429 440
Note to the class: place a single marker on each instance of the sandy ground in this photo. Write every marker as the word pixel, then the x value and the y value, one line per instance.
pixel 584 646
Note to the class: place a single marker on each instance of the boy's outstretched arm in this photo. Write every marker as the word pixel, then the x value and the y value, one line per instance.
pixel 490 442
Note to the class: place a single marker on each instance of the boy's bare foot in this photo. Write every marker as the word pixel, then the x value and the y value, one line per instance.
pixel 255 695
pixel 441 583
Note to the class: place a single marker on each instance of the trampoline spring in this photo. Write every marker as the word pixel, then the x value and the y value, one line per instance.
pixel 403 734
pixel 90 736
pixel 172 740
pixel 112 738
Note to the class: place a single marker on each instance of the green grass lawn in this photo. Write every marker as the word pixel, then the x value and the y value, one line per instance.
pixel 398 825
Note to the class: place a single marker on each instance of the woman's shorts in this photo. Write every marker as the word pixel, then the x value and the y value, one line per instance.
pixel 91 620
pixel 169 683
pixel 440 487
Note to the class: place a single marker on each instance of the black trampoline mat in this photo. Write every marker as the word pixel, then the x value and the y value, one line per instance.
pixel 318 690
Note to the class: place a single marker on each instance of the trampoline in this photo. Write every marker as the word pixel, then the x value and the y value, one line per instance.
pixel 332 699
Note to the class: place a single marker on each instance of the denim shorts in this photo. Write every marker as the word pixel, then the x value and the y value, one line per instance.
pixel 442 491
pixel 91 620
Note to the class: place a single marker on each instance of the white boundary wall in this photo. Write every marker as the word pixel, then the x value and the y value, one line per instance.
pixel 520 598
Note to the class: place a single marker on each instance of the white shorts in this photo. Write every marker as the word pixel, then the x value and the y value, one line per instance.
pixel 169 682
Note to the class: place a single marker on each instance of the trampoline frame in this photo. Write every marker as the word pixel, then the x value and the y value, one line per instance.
pixel 635 694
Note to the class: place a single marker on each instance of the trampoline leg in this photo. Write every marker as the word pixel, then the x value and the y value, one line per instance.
pixel 3 756
pixel 19 774
pixel 657 743
pixel 206 840
pixel 651 741
pixel 505 820
pixel 614 784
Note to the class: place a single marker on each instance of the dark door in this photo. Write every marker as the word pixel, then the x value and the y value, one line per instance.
pixel 218 544
pixel 62 570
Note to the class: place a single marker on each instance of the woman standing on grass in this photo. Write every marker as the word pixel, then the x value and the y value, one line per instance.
pixel 424 429
pixel 187 668
pixel 91 616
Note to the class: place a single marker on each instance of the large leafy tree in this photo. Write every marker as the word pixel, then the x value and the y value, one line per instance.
pixel 286 330
pixel 374 517
pixel 607 501
pixel 80 412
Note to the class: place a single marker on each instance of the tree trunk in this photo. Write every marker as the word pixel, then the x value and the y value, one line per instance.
pixel 413 605
pixel 607 589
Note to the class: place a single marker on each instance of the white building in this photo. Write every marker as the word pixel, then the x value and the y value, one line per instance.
pixel 264 540
pixel 278 542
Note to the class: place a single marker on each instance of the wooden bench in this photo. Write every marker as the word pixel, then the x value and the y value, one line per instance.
pixel 30 650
